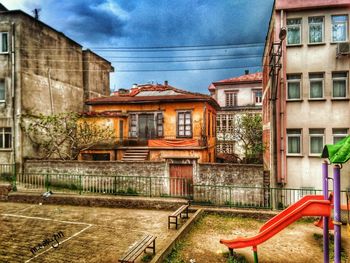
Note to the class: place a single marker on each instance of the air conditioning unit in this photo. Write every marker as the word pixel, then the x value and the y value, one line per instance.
pixel 343 49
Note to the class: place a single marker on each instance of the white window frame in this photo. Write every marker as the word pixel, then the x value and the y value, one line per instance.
pixel 231 98
pixel 184 125
pixel 294 135
pixel 346 26
pixel 3 132
pixel 294 81
pixel 257 100
pixel 296 25
pixel 1 47
pixel 339 135
pixel 316 80
pixel 346 84
pixel 316 23
pixel 312 135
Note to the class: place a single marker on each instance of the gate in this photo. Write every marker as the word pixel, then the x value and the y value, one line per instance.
pixel 181 180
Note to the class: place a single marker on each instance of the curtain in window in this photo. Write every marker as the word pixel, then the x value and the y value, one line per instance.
pixel 339 27
pixel 2 90
pixel 316 144
pixel 339 88
pixel 293 35
pixel 315 29
pixel 316 89
pixel 294 145
pixel 294 90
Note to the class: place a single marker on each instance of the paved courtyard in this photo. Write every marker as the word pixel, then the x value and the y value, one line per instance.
pixel 56 233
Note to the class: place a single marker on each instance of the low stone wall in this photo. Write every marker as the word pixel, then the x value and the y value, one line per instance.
pixel 231 185
pixel 108 168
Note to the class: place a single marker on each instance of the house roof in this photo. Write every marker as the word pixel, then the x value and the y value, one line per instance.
pixel 247 78
pixel 153 93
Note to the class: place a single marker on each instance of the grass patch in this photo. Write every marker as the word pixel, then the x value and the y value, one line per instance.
pixel 175 254
pixel 147 258
pixel 237 258
pixel 319 240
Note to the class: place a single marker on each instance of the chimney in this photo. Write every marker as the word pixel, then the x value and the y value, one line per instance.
pixel 165 83
pixel 246 71
pixel 134 85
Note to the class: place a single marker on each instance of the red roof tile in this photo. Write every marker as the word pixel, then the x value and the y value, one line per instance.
pixel 153 94
pixel 247 78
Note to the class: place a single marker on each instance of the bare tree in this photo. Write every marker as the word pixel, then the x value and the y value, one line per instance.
pixel 64 135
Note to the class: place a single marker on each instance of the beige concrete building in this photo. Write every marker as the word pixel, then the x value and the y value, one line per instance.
pixel 41 71
pixel 235 96
pixel 312 89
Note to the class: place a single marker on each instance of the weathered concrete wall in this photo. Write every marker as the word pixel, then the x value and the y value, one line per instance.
pixel 230 174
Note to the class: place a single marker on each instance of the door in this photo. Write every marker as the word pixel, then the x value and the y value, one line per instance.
pixel 121 130
pixel 181 180
pixel 146 126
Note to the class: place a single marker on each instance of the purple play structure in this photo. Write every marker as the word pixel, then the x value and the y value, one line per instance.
pixel 337 220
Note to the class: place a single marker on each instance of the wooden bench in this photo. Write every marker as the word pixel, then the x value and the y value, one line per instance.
pixel 179 212
pixel 136 250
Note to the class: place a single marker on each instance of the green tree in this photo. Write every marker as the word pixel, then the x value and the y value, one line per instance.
pixel 248 132
pixel 64 135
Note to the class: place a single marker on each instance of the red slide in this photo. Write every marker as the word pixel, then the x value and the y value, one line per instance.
pixel 310 205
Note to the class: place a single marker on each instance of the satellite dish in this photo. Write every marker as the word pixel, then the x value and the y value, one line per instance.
pixel 283 33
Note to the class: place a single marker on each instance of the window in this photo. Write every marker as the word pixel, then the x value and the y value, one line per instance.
pixel 340 84
pixel 316 141
pixel 316 85
pixel 184 124
pixel 294 141
pixel 159 120
pixel 231 99
pixel 316 29
pixel 133 125
pixel 257 97
pixel 294 31
pixel 5 138
pixel 2 90
pixel 213 125
pixel 339 28
pixel 339 134
pixel 4 42
pixel 208 120
pixel 293 86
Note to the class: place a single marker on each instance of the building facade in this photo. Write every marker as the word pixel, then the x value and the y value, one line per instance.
pixel 42 71
pixel 305 89
pixel 156 122
pixel 235 96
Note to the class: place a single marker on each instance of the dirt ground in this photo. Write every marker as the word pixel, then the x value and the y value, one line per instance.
pixel 85 234
pixel 294 244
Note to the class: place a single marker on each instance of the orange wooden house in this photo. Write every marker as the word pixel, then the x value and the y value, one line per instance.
pixel 156 122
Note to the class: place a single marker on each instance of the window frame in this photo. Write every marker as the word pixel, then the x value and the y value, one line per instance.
pixel 346 30
pixel 184 112
pixel 3 132
pixel 339 135
pixel 159 125
pixel 312 135
pixel 1 41
pixel 133 125
pixel 316 80
pixel 346 84
pixel 293 135
pixel 4 82
pixel 294 81
pixel 255 92
pixel 300 30
pixel 231 98
pixel 322 30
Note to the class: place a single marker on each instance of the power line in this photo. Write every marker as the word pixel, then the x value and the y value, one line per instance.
pixel 151 70
pixel 140 62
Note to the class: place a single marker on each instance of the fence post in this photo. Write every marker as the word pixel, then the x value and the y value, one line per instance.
pixel 47 182
pixel 230 191
pixel 80 184
pixel 150 186
pixel 115 185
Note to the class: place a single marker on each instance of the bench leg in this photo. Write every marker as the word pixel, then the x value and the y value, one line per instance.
pixel 175 222
pixel 168 222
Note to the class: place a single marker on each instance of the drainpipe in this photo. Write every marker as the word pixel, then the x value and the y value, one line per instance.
pixel 13 95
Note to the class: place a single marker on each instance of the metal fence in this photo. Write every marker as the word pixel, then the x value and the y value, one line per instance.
pixel 109 185
pixel 217 195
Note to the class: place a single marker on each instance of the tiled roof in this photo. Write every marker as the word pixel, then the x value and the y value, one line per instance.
pixel 152 94
pixel 247 78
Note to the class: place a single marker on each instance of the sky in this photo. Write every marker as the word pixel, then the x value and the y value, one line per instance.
pixel 189 43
